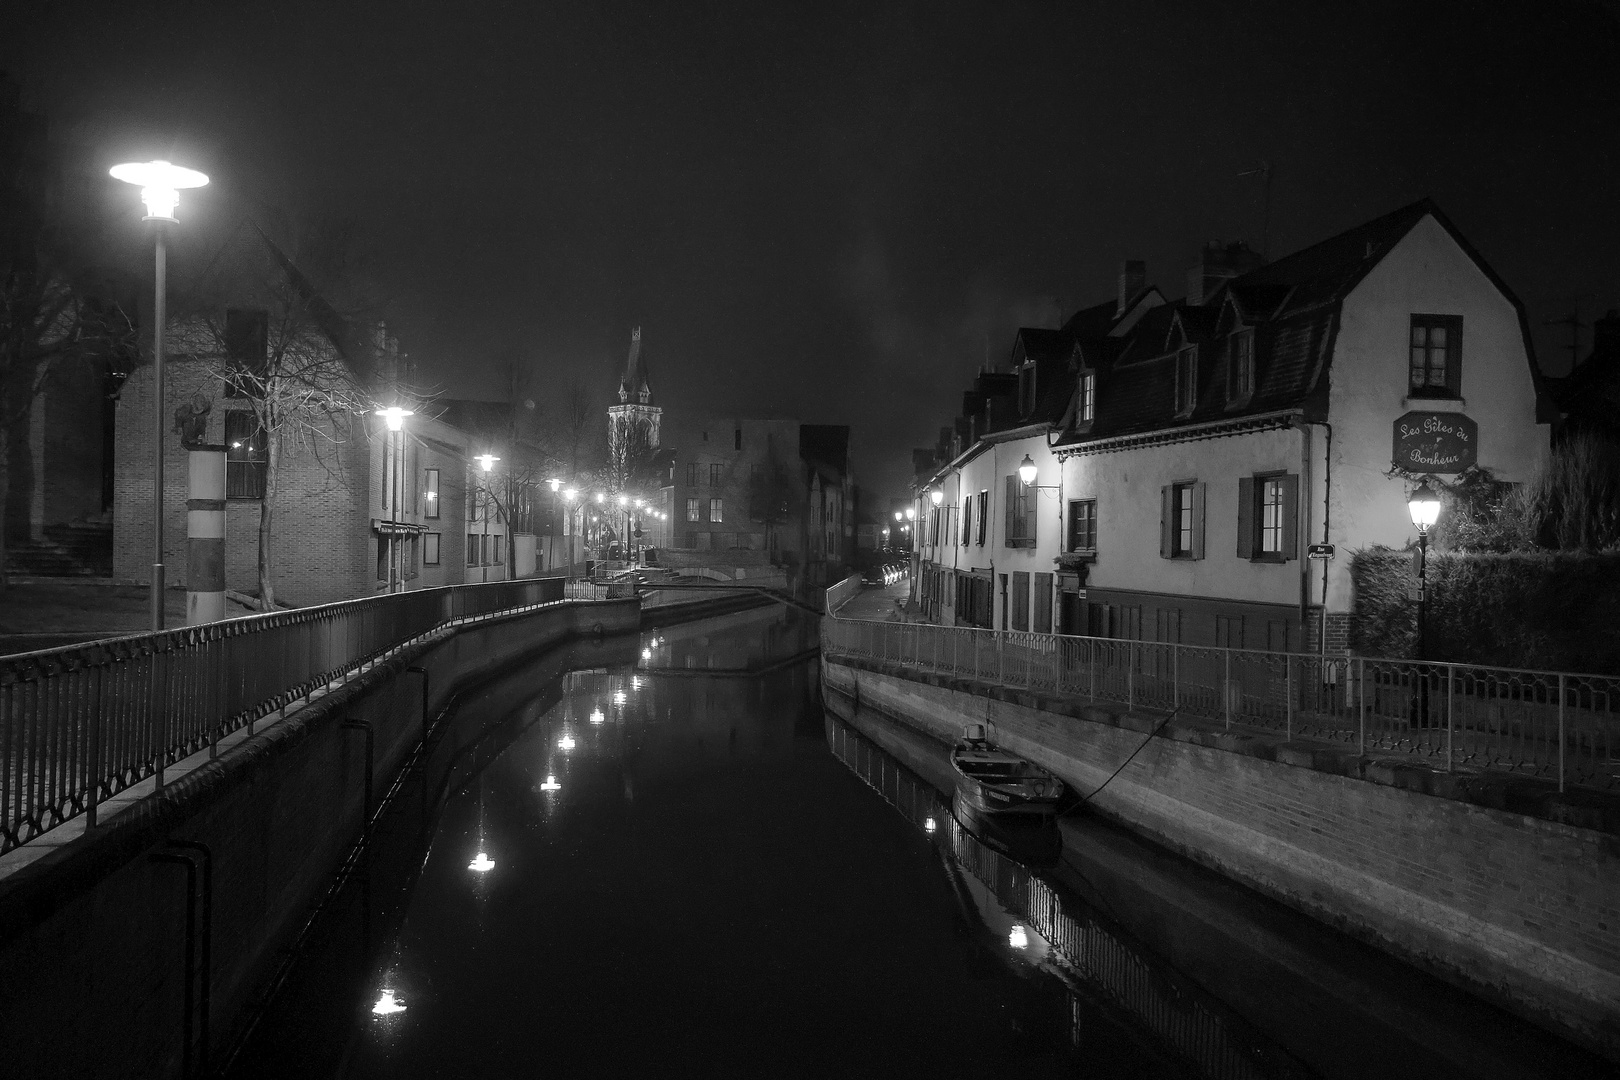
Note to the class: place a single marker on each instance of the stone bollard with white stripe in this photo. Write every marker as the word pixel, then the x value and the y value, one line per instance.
pixel 205 536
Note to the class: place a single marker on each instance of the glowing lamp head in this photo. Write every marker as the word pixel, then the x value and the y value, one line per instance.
pixel 624 500
pixel 554 484
pixel 598 496
pixel 930 825
pixel 1026 470
pixel 911 513
pixel 1424 505
pixel 936 495
pixel 571 494
pixel 482 864
pixel 394 417
pixel 387 1004
pixel 160 184
pixel 486 461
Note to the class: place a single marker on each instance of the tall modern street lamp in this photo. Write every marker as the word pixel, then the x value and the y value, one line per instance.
pixel 394 417
pixel 160 184
pixel 486 462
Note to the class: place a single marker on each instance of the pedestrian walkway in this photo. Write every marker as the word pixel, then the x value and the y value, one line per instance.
pixel 878 604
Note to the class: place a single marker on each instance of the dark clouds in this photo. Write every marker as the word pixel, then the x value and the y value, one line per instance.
pixel 824 210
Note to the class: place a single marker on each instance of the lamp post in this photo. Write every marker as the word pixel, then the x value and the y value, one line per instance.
pixel 1424 506
pixel 570 526
pixel 486 462
pixel 394 417
pixel 160 184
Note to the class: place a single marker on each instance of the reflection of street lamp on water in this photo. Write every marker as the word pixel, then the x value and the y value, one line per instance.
pixel 160 184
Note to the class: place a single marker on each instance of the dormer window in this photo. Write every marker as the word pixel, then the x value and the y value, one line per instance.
pixel 1240 366
pixel 1026 389
pixel 1086 398
pixel 1186 380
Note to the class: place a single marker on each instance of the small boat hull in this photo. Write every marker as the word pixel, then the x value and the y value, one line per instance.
pixel 990 780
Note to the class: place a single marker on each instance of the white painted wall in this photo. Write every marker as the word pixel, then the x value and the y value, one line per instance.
pixel 1426 273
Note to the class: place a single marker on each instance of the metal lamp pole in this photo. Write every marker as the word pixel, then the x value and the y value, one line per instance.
pixel 160 184
pixel 1424 506
pixel 486 462
pixel 394 416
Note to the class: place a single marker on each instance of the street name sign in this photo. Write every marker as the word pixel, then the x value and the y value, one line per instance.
pixel 1319 551
pixel 1436 442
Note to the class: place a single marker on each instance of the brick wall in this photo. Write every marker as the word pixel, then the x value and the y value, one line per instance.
pixel 1517 909
pixel 329 491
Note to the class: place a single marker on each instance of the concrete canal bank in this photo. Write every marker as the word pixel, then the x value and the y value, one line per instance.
pixel 107 970
pixel 1516 908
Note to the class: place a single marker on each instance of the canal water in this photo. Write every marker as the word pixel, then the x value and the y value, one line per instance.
pixel 664 857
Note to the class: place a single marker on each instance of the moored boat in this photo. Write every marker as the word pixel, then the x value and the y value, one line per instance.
pixel 991 780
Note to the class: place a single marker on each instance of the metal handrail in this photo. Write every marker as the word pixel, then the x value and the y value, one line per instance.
pixel 80 723
pixel 1553 724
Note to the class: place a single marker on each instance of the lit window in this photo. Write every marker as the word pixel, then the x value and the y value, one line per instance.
pixel 430 494
pixel 714 509
pixel 692 510
pixel 1088 397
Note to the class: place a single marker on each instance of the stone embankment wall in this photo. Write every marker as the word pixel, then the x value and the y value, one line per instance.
pixel 1519 909
pixel 93 936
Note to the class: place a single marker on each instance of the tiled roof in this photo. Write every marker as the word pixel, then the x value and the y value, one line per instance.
pixel 1293 306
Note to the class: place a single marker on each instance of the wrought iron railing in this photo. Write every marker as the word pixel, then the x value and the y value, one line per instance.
pixel 82 723
pixel 1551 724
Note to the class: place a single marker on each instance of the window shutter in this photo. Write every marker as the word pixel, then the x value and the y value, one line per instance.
pixel 1454 356
pixel 1031 512
pixel 1011 530
pixel 1165 519
pixel 1198 520
pixel 1290 521
pixel 1245 521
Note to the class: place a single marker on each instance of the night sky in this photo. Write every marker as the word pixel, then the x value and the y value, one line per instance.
pixel 836 211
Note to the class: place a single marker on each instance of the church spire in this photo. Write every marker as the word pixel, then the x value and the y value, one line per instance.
pixel 633 388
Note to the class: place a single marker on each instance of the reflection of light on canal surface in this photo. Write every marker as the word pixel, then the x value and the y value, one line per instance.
pixel 619 697
pixel 483 864
pixel 566 742
pixel 551 783
pixel 596 716
pixel 387 1005
pixel 1018 938
pixel 646 654
pixel 930 825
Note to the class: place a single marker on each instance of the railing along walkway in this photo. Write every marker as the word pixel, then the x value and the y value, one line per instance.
pixel 82 723
pixel 1551 724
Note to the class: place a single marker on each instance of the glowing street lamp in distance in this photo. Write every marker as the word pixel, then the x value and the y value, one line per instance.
pixel 554 484
pixel 486 461
pixel 936 495
pixel 160 184
pixel 1026 470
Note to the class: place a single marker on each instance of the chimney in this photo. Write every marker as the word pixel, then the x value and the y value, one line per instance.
pixel 1219 263
pixel 1132 280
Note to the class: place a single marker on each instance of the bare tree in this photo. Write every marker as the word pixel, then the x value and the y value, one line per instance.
pixel 294 360
pixel 46 323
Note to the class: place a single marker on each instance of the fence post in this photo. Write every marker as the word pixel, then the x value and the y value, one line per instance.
pixel 1560 732
pixel 1288 690
pixel 1130 675
pixel 1361 698
pixel 1175 676
pixel 1451 683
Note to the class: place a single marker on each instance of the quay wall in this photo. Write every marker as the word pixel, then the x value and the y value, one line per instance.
pixel 1520 910
pixel 93 936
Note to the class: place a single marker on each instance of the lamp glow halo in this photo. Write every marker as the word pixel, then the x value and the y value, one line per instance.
pixel 158 174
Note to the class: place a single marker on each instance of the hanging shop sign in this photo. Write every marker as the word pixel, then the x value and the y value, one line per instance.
pixel 1436 442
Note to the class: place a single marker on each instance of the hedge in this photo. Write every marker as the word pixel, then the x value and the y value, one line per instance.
pixel 1555 611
